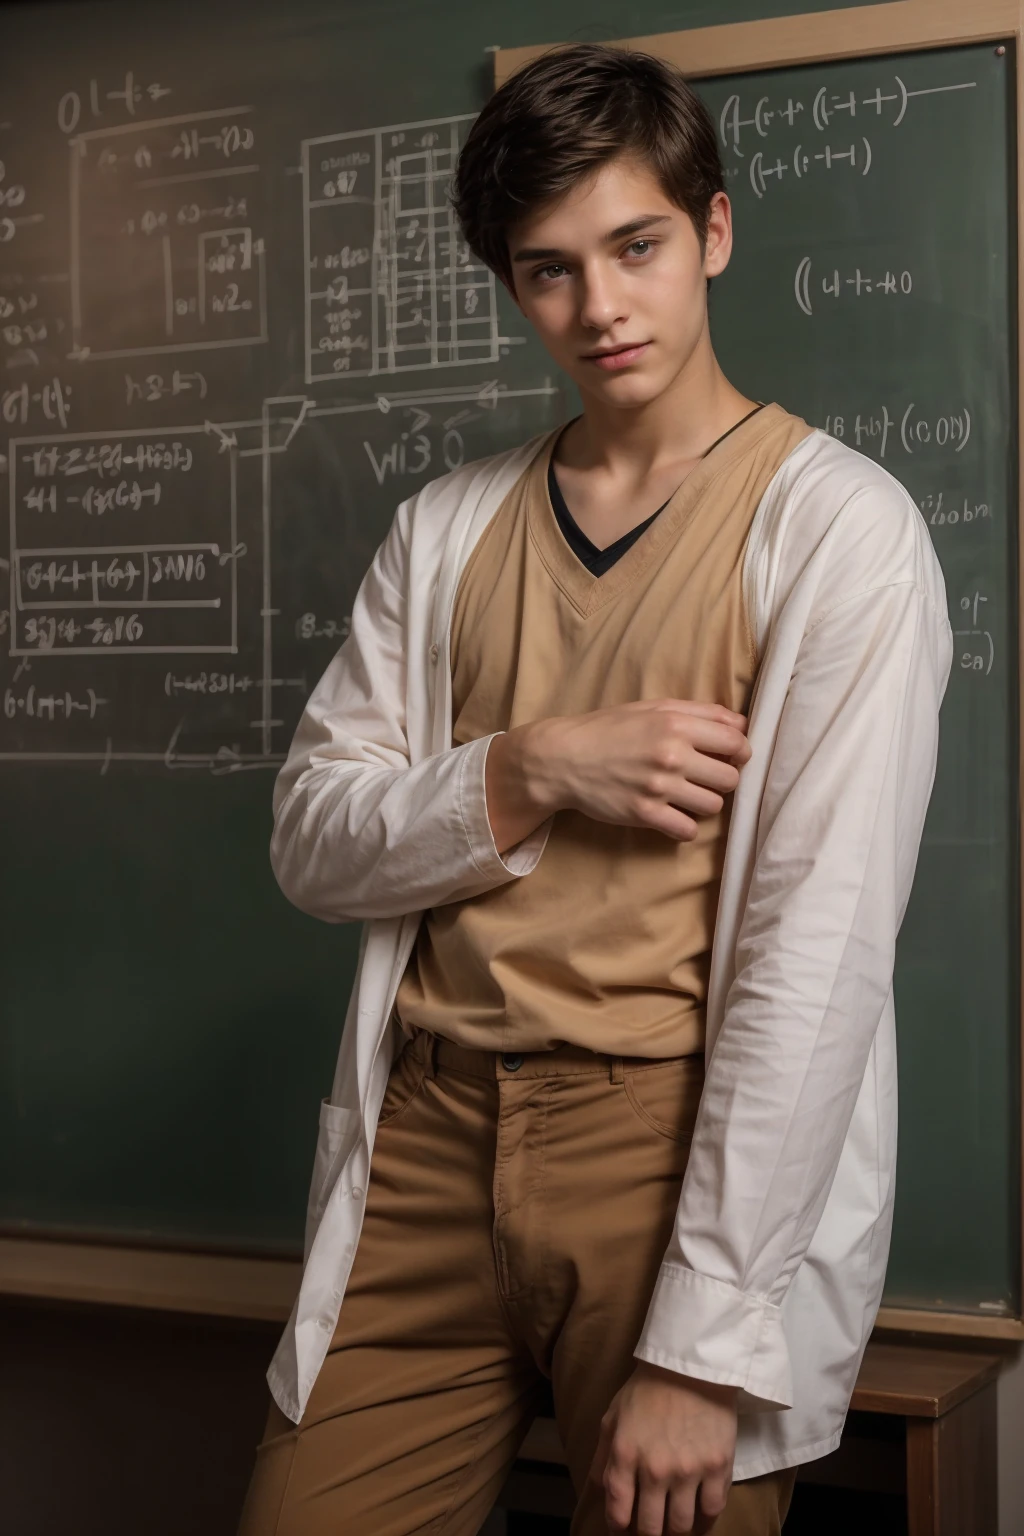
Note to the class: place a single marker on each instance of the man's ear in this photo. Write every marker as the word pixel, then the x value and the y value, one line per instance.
pixel 718 248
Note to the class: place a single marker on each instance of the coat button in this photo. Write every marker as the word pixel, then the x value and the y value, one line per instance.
pixel 434 652
pixel 511 1063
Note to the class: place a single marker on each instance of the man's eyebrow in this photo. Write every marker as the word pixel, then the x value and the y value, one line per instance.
pixel 635 225
pixel 552 253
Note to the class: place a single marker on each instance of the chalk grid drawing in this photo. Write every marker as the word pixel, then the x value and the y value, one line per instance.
pixel 166 249
pixel 391 285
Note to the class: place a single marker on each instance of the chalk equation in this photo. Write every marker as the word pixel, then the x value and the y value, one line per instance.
pixel 849 284
pixel 154 388
pixel 390 283
pixel 33 704
pixel 16 214
pixel 914 429
pixel 820 111
pixel 976 652
pixel 854 157
pixel 25 403
pixel 95 522
pixel 100 100
pixel 843 115
pixel 32 319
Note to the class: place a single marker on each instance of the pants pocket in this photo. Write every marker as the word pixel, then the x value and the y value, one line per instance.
pixel 665 1096
pixel 407 1072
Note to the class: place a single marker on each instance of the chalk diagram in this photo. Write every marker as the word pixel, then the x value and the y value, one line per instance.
pixel 171 206
pixel 390 283
pixel 153 591
pixel 86 588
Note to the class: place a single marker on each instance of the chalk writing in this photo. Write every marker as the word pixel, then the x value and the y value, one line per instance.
pixel 914 429
pixel 977 651
pixel 130 92
pixel 34 705
pixel 853 284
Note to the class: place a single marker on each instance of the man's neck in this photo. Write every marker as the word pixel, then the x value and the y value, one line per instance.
pixel 666 434
pixel 615 467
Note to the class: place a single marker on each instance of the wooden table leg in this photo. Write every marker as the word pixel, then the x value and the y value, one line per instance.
pixel 951 1470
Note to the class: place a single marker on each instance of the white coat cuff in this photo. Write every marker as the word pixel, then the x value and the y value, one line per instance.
pixel 709 1330
pixel 518 860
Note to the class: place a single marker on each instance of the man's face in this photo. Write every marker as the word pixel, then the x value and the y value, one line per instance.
pixel 612 278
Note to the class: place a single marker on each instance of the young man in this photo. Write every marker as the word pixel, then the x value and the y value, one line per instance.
pixel 629 1090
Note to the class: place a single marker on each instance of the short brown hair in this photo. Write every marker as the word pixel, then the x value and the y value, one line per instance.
pixel 559 119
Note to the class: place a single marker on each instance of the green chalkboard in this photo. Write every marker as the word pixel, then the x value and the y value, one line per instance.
pixel 236 328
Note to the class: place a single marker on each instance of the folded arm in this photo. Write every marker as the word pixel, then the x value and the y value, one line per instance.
pixel 361 831
pixel 840 825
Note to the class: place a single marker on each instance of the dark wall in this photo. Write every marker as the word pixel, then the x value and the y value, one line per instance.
pixel 125 1423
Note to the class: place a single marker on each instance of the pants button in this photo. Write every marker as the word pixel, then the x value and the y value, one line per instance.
pixel 511 1063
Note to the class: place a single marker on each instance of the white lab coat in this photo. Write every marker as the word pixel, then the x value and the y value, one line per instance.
pixel 774 1274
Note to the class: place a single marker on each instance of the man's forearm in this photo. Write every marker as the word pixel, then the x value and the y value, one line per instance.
pixel 522 784
pixel 657 763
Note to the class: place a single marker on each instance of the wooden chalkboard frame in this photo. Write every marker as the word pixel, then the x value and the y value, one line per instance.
pixel 819 37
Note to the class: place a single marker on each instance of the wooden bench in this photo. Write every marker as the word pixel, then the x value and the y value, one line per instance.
pixel 944 1460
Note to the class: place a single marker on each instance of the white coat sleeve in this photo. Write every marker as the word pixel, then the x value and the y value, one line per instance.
pixel 360 831
pixel 840 825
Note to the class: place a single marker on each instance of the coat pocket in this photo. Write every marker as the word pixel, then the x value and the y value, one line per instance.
pixel 334 1140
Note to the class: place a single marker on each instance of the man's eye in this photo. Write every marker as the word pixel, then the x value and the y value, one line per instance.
pixel 552 271
pixel 641 247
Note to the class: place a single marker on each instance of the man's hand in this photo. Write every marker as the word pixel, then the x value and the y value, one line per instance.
pixel 669 1441
pixel 654 763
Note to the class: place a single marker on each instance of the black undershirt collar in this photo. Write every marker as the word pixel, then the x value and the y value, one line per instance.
pixel 597 561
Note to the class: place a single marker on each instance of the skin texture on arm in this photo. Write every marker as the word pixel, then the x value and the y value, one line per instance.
pixel 644 764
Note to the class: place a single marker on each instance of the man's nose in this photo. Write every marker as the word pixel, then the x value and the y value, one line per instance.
pixel 601 303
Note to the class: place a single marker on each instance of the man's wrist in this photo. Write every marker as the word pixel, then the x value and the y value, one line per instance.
pixel 523 783
pixel 714 1390
pixel 539 763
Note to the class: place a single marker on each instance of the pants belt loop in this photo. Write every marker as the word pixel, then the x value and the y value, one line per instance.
pixel 430 1057
pixel 616 1072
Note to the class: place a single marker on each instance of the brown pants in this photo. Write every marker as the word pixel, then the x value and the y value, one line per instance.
pixel 515 1222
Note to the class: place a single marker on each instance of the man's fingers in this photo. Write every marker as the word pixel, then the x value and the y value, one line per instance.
pixel 619 1491
pixel 720 738
pixel 600 1456
pixel 650 1506
pixel 681 1508
pixel 690 797
pixel 710 1502
pixel 667 819
pixel 706 711
pixel 710 773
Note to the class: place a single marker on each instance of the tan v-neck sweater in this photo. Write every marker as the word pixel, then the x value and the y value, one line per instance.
pixel 607 942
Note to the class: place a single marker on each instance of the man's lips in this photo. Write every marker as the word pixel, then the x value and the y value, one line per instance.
pixel 621 357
